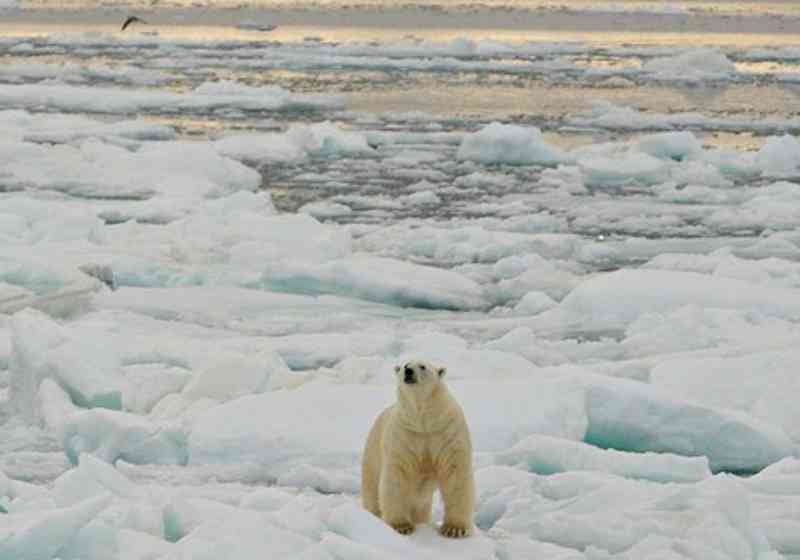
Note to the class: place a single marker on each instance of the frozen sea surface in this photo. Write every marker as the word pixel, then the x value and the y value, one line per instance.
pixel 217 240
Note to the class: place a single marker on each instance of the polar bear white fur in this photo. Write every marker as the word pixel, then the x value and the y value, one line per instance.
pixel 415 446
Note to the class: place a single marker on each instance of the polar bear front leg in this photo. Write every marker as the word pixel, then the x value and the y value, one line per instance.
pixel 396 499
pixel 457 486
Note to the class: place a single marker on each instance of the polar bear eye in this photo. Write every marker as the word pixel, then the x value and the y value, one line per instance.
pixel 422 367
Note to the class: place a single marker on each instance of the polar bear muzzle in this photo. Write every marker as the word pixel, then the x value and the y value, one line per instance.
pixel 412 373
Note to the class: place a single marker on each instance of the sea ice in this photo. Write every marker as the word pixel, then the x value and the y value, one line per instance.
pixel 323 210
pixel 512 144
pixel 779 156
pixel 251 25
pixel 547 455
pixel 227 377
pixel 633 416
pixel 150 382
pixel 610 517
pixel 92 477
pixel 614 299
pixel 313 350
pixel 761 384
pixel 253 311
pixel 604 114
pixel 769 270
pixel 108 434
pixel 518 275
pixel 326 140
pixel 459 245
pixel 260 149
pixel 94 169
pixel 534 302
pixel 40 535
pixel 424 198
pixel 136 545
pixel 693 328
pixel 113 435
pixel 622 169
pixel 692 66
pixel 248 536
pixel 377 279
pixel 78 74
pixel 41 349
pixel 771 205
pixel 205 97
pixel 62 129
pixel 676 146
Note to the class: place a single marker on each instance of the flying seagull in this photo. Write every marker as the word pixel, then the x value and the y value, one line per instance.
pixel 130 20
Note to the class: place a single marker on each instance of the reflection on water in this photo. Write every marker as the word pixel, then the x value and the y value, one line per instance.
pixel 538 102
pixel 769 67
pixel 226 30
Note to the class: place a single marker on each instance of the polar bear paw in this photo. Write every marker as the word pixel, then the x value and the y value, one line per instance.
pixel 453 531
pixel 403 528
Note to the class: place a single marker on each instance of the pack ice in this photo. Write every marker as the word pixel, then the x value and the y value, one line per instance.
pixel 189 366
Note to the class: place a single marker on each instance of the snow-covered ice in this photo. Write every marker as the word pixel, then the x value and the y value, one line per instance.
pixel 378 279
pixel 548 455
pixel 630 416
pixel 614 299
pixel 691 66
pixel 206 97
pixel 498 143
pixel 214 251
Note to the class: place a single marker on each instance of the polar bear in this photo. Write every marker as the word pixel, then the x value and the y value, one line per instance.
pixel 418 444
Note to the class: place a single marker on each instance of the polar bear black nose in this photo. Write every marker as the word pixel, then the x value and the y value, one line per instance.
pixel 409 375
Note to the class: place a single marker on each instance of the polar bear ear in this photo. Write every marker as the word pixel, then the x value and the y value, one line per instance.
pixel 441 372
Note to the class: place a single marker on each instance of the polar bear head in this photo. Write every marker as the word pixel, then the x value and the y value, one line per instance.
pixel 423 402
pixel 416 374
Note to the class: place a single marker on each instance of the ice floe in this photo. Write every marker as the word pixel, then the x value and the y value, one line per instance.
pixel 205 97
pixel 693 65
pixel 497 143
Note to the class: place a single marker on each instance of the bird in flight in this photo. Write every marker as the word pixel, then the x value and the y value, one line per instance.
pixel 130 20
